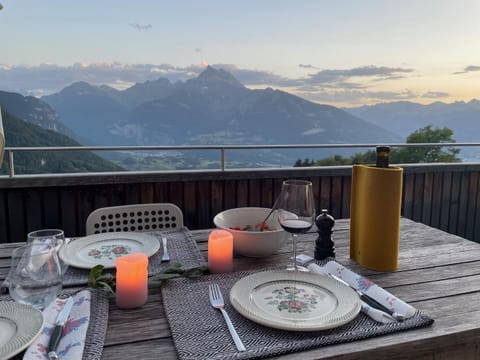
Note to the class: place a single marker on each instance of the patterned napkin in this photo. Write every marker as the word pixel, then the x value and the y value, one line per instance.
pixel 72 344
pixel 362 283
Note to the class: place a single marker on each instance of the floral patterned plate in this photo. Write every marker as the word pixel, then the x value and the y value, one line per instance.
pixel 294 300
pixel 104 249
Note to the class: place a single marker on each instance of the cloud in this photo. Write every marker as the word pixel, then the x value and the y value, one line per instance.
pixel 198 50
pixel 141 27
pixel 307 66
pixel 435 95
pixel 326 86
pixel 470 68
pixel 376 72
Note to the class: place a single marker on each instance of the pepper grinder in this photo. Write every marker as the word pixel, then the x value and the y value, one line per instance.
pixel 324 246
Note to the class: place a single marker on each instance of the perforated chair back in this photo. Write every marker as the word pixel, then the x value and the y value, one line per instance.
pixel 139 218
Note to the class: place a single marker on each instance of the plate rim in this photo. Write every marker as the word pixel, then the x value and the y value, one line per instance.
pixel 90 239
pixel 243 305
pixel 23 324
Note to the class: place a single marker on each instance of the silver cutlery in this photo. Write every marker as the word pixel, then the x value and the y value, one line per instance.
pixel 216 299
pixel 369 300
pixel 165 256
pixel 57 331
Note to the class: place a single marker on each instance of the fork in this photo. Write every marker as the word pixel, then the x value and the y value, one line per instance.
pixel 216 299
pixel 165 256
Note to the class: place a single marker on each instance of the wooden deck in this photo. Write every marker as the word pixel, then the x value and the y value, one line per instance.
pixel 445 196
pixel 439 274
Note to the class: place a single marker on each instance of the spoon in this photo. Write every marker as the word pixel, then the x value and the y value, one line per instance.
pixel 262 224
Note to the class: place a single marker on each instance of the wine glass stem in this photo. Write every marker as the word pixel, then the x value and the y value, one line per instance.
pixel 294 244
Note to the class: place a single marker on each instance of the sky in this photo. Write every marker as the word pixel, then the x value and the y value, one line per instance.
pixel 344 53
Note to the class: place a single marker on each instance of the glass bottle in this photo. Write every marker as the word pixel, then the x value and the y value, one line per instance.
pixel 383 153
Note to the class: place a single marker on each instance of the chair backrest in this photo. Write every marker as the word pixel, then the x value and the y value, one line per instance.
pixel 139 218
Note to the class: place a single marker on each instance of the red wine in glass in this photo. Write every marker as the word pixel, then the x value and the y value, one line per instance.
pixel 296 210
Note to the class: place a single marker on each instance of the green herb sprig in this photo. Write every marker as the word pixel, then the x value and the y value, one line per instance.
pixel 104 280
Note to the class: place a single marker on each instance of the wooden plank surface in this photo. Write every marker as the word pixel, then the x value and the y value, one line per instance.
pixel 439 274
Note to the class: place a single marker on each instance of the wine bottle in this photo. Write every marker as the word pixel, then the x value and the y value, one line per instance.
pixel 383 153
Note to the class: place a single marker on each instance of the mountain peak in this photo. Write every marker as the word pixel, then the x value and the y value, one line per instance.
pixel 210 74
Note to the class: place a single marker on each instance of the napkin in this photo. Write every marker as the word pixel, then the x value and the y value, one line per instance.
pixel 74 334
pixel 375 206
pixel 363 284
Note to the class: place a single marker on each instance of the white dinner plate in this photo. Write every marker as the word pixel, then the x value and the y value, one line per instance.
pixel 20 324
pixel 294 300
pixel 104 249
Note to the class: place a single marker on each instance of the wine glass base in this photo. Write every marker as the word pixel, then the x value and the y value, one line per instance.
pixel 297 268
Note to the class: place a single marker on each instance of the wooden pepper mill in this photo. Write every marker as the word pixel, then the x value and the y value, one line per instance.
pixel 324 246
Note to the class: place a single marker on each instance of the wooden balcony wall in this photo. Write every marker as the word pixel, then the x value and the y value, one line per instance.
pixel 444 196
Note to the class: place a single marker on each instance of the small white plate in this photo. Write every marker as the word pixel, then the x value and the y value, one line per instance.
pixel 104 249
pixel 20 325
pixel 294 300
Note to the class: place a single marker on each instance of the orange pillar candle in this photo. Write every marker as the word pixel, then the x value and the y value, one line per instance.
pixel 220 251
pixel 131 281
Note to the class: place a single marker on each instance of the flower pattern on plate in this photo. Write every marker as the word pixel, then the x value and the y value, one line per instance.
pixel 292 299
pixel 109 251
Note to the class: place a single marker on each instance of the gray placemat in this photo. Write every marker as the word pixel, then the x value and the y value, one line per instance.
pixel 181 247
pixel 199 331
pixel 97 326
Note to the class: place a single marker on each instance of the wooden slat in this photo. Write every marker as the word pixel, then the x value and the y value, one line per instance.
pixel 418 197
pixel 476 220
pixel 242 193
pixel 471 214
pixel 230 194
pixel 325 191
pixel 346 196
pixel 69 213
pixel 427 199
pixel 336 197
pixel 255 192
pixel 464 199
pixel 408 199
pixel 454 202
pixel 177 194
pixel 16 217
pixel 34 204
pixel 446 196
pixel 436 199
pixel 191 207
pixel 204 214
pixel 4 226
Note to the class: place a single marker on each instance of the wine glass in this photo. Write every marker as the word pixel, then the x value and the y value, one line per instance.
pixel 296 211
pixel 35 276
pixel 50 237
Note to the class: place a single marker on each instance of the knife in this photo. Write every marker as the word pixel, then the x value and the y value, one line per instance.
pixel 369 300
pixel 57 331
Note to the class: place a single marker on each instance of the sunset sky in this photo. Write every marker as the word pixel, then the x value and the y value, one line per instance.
pixel 343 53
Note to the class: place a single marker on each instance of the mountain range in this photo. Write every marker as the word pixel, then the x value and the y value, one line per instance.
pixel 215 108
pixel 404 117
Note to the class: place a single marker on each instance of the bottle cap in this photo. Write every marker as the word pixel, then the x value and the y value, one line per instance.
pixel 383 149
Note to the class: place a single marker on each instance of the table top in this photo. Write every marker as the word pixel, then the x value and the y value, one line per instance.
pixel 438 273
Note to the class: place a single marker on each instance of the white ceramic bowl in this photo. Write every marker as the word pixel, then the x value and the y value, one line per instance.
pixel 252 243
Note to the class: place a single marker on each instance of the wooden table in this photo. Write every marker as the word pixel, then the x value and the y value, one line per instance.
pixel 439 274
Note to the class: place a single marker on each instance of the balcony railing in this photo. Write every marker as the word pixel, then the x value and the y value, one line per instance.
pixel 221 149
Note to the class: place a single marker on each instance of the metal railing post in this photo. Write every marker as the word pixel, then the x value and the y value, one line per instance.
pixel 11 166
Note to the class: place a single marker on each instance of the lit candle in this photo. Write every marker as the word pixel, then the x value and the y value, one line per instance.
pixel 131 281
pixel 220 251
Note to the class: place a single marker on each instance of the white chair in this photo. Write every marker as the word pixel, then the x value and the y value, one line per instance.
pixel 139 218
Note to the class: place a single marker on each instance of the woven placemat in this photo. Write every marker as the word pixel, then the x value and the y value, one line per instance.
pixel 97 326
pixel 182 249
pixel 199 331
